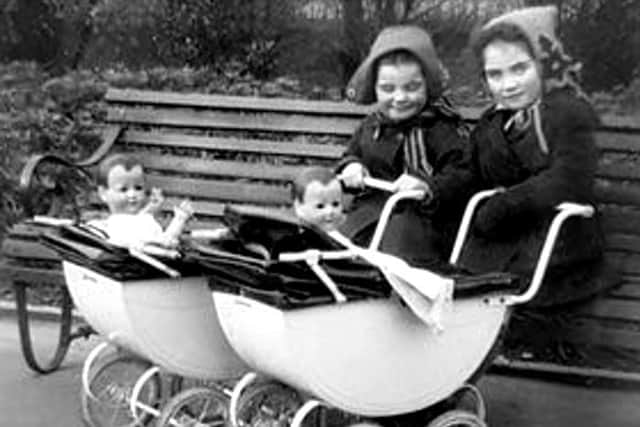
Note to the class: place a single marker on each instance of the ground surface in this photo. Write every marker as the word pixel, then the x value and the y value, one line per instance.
pixel 29 400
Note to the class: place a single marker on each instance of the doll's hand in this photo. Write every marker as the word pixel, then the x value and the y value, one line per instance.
pixel 406 182
pixel 184 210
pixel 156 199
pixel 352 176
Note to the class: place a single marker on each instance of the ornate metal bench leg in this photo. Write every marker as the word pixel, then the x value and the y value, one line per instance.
pixel 64 335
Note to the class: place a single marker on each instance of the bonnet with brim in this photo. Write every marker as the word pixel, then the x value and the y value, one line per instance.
pixel 400 37
pixel 539 25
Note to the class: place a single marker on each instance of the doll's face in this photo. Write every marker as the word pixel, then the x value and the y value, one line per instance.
pixel 401 89
pixel 511 74
pixel 125 191
pixel 321 205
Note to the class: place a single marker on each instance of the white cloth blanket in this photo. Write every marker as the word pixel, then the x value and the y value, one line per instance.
pixel 427 294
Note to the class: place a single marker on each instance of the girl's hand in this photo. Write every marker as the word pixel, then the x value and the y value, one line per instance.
pixel 407 182
pixel 352 176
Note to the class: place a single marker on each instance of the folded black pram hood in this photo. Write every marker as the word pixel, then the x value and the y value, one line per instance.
pixel 232 268
pixel 78 244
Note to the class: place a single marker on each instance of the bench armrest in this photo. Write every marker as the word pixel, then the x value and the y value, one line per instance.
pixel 30 170
pixel 47 181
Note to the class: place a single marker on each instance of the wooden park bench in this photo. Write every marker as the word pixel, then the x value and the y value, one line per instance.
pixel 218 149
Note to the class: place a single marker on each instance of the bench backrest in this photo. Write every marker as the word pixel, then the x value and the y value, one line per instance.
pixel 218 149
pixel 250 147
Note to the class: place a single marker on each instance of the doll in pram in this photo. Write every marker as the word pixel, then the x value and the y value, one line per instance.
pixel 312 329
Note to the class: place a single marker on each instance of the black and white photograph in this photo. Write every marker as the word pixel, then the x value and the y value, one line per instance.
pixel 319 213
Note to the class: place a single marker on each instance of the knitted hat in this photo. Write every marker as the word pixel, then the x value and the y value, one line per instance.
pixel 400 37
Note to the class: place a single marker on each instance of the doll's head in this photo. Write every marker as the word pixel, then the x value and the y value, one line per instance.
pixel 121 183
pixel 317 198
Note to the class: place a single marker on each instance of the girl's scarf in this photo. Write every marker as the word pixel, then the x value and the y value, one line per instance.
pixel 416 160
pixel 523 119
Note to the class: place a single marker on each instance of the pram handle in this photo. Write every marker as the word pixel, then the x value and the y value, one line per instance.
pixel 565 210
pixel 469 211
pixel 389 205
pixel 379 184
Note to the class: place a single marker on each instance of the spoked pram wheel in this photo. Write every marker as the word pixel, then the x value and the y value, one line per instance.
pixel 267 404
pixel 195 407
pixel 457 418
pixel 111 386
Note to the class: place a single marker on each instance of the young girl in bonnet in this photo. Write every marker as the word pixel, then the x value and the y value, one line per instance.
pixel 536 141
pixel 414 139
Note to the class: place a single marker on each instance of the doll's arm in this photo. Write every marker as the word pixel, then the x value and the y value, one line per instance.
pixel 181 215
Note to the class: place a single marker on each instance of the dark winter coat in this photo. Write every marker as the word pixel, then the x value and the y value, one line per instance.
pixel 509 229
pixel 421 232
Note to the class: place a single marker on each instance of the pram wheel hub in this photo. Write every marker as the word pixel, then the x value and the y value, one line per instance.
pixel 196 407
pixel 107 402
pixel 267 404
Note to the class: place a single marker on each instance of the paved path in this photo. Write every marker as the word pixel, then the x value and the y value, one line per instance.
pixel 29 400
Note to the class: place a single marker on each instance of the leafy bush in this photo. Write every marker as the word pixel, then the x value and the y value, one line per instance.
pixel 215 32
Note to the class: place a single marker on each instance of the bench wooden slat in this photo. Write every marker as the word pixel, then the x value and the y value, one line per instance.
pixel 613 309
pixel 221 191
pixel 620 219
pixel 29 275
pixel 32 250
pixel 621 170
pixel 626 263
pixel 592 331
pixel 241 103
pixel 608 140
pixel 237 145
pixel 622 193
pixel 228 120
pixel 629 289
pixel 623 242
pixel 221 168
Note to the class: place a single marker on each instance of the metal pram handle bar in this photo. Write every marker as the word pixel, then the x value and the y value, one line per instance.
pixel 565 210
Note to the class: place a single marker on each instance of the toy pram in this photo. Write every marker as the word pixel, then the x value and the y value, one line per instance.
pixel 338 340
pixel 159 310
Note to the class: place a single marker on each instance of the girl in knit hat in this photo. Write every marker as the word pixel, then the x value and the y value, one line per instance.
pixel 536 141
pixel 414 139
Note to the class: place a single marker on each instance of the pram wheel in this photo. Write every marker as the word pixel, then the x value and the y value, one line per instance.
pixel 267 404
pixel 202 407
pixel 111 386
pixel 457 418
pixel 469 398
